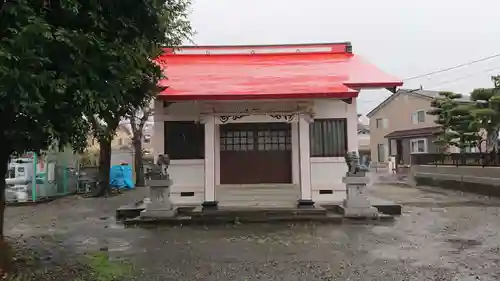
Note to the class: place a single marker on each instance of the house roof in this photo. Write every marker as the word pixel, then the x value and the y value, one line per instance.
pixel 268 72
pixel 420 132
pixel 425 94
pixel 363 128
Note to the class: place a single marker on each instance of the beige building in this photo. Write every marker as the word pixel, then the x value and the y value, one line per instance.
pixel 400 126
pixel 147 136
pixel 122 139
pixel 363 139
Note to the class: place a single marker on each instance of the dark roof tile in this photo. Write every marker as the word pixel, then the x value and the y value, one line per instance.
pixel 413 133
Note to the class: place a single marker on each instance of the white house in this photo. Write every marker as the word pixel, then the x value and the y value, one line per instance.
pixel 271 117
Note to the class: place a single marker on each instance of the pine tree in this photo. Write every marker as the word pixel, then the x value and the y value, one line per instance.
pixel 486 112
pixel 465 128
pixel 443 108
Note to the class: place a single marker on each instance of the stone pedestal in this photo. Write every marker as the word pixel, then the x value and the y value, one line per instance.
pixel 357 204
pixel 159 204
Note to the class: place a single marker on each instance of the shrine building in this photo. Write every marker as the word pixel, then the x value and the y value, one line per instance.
pixel 274 121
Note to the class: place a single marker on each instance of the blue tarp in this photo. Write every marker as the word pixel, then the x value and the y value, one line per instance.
pixel 121 177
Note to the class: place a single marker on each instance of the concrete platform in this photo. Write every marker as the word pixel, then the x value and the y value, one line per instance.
pixel 226 215
pixel 341 211
pixel 387 207
pixel 383 206
pixel 252 205
pixel 262 214
pixel 130 211
pixel 134 210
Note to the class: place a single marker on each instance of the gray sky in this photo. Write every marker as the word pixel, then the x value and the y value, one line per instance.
pixel 404 38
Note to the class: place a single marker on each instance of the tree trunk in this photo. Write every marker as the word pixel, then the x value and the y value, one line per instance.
pixel 104 167
pixel 2 200
pixel 138 165
pixel 5 255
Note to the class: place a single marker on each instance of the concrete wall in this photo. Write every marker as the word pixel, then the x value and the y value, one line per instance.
pixel 364 142
pixel 482 180
pixel 326 172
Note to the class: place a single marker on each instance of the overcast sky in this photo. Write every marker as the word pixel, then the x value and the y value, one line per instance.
pixel 404 38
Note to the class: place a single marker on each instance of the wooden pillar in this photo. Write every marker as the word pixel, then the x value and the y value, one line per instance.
pixel 352 127
pixel 305 199
pixel 210 134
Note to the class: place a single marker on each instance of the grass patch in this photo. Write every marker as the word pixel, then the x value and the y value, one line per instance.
pixel 91 267
pixel 102 268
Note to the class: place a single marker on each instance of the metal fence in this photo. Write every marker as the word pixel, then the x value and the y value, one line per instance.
pixel 42 176
pixel 55 173
pixel 456 159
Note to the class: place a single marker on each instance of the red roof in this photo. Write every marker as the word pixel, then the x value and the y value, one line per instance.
pixel 268 72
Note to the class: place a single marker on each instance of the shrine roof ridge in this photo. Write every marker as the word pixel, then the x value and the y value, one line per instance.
pixel 308 48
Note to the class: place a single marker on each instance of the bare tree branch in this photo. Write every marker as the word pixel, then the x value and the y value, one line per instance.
pixel 138 121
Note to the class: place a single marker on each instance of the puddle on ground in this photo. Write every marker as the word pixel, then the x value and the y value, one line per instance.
pixel 85 243
pixel 415 253
pixel 461 243
pixel 19 229
pixel 82 242
pixel 118 245
pixel 114 225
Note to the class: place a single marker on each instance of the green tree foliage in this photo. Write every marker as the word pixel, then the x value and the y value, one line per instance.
pixel 68 64
pixel 486 111
pixel 469 124
pixel 443 107
pixel 130 36
pixel 465 128
pixel 39 99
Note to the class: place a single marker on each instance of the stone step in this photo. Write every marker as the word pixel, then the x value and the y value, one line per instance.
pixel 262 191
pixel 283 204
pixel 258 192
pixel 254 197
pixel 261 201
pixel 256 212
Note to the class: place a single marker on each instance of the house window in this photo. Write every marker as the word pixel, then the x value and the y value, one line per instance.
pixel 328 137
pixel 184 140
pixel 237 141
pixel 418 117
pixel 120 141
pixel 381 152
pixel 418 145
pixel 274 140
pixel 382 123
pixel 256 140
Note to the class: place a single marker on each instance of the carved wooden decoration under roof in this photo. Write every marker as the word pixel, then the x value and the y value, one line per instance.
pixel 256 108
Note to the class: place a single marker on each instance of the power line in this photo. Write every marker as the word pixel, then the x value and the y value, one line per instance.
pixel 464 77
pixel 451 68
pixel 366 102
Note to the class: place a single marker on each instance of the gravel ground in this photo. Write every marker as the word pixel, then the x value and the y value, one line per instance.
pixel 442 235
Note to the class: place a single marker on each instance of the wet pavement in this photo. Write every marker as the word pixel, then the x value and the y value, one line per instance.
pixel 442 235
